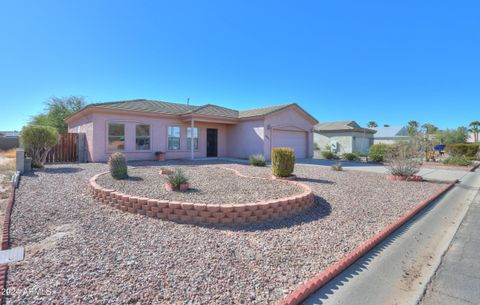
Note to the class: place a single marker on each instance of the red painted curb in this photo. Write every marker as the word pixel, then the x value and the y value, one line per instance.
pixel 302 292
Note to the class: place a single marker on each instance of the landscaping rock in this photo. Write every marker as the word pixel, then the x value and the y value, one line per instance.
pixel 79 251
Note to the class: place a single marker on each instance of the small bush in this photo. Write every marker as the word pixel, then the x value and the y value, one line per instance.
pixel 350 157
pixel 455 160
pixel 462 150
pixel 328 155
pixel 403 159
pixel 376 153
pixel 118 165
pixel 38 141
pixel 337 167
pixel 177 178
pixel 283 161
pixel 315 146
pixel 257 160
pixel 359 153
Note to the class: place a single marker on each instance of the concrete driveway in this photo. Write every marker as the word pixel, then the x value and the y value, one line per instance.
pixel 427 173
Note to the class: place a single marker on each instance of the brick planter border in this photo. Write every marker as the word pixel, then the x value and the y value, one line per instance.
pixel 201 213
pixel 297 296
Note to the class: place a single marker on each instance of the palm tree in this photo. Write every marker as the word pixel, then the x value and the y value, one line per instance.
pixel 412 127
pixel 475 128
pixel 372 124
pixel 429 128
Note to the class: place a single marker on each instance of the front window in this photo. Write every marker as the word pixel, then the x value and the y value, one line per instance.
pixel 116 136
pixel 173 138
pixel 195 138
pixel 142 137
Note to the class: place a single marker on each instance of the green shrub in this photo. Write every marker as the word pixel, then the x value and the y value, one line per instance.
pixel 38 141
pixel 283 161
pixel 328 155
pixel 462 150
pixel 359 153
pixel 350 157
pixel 118 165
pixel 337 167
pixel 177 178
pixel 376 153
pixel 257 160
pixel 455 160
pixel 315 146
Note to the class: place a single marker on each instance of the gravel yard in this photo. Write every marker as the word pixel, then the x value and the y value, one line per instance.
pixel 207 185
pixel 78 251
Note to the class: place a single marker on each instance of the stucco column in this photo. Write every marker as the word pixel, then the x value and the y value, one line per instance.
pixel 192 140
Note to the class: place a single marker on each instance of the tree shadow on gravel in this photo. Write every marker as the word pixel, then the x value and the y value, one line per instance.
pixel 134 178
pixel 61 170
pixel 320 209
pixel 300 179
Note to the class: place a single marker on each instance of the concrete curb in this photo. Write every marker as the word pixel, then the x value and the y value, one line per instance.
pixel 301 293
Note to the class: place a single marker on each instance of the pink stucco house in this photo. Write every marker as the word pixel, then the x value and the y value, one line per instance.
pixel 139 128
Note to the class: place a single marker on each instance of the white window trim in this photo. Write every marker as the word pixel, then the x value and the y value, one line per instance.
pixel 125 123
pixel 179 138
pixel 149 135
pixel 107 140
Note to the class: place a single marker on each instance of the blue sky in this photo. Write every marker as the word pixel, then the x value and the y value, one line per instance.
pixel 388 61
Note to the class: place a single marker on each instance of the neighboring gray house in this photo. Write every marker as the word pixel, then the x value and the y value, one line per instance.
pixel 343 137
pixel 389 135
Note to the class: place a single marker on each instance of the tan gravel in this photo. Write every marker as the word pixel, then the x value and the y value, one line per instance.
pixel 99 255
pixel 207 185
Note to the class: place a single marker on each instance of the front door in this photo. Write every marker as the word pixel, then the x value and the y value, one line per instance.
pixel 212 140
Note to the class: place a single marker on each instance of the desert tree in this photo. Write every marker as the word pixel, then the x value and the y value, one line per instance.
pixel 38 141
pixel 56 110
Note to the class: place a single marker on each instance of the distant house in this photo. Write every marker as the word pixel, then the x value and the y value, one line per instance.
pixel 471 138
pixel 9 140
pixel 343 137
pixel 139 128
pixel 389 135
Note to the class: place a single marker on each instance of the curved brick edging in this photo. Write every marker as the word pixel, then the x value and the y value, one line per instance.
pixel 301 293
pixel 5 242
pixel 202 213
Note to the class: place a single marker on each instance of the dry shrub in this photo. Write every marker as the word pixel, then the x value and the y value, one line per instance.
pixel 403 159
pixel 11 153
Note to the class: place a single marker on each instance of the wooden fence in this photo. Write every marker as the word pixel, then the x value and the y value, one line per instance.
pixel 65 150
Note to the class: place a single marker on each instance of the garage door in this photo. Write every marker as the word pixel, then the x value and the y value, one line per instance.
pixel 294 139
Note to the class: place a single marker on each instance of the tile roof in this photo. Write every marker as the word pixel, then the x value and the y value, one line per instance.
pixel 147 106
pixel 184 109
pixel 262 111
pixel 341 126
pixel 216 111
pixel 391 132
